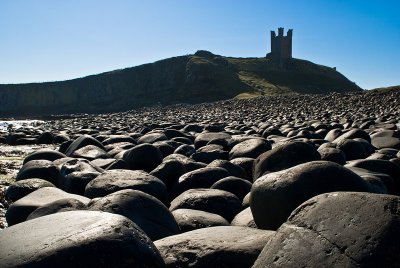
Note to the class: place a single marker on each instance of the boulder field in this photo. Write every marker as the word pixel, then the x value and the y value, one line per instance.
pixel 285 181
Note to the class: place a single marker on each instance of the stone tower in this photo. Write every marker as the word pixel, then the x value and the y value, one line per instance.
pixel 281 46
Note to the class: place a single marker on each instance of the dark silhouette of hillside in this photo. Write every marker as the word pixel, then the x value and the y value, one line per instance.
pixel 202 77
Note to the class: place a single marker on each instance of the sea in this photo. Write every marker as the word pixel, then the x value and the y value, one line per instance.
pixel 16 124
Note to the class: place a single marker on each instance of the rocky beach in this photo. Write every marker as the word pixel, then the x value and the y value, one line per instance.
pixel 296 180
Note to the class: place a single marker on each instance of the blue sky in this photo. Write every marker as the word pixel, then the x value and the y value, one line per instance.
pixel 49 40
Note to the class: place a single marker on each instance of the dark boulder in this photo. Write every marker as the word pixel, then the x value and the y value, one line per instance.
pixel 214 201
pixel 44 154
pixel 275 195
pixel 234 185
pixel 337 230
pixel 39 169
pixel 90 152
pixel 199 178
pixel 143 157
pixel 233 170
pixel 250 148
pixel 75 174
pixel 244 218
pixel 61 205
pixel 19 211
pixel 284 156
pixel 120 179
pixel 22 188
pixel 333 155
pixel 152 216
pixel 191 219
pixel 77 239
pixel 214 247
pixel 82 141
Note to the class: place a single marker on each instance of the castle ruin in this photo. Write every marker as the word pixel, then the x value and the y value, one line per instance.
pixel 281 46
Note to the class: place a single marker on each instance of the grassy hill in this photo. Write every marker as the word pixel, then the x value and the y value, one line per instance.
pixel 197 78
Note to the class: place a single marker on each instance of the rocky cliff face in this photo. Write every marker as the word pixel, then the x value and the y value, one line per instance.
pixel 186 79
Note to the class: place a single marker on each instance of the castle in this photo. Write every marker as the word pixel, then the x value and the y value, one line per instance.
pixel 281 46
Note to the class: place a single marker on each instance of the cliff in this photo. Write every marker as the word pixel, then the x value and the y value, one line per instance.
pixel 197 78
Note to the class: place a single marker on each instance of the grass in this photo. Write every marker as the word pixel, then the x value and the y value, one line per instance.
pixel 385 89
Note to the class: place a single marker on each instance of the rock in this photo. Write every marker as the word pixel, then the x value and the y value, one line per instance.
pixel 337 230
pixel 118 139
pixel 382 166
pixel 19 211
pixel 199 178
pixel 233 169
pixel 81 142
pixel 90 152
pixel 119 179
pixel 234 185
pixel 333 155
pixel 275 195
pixel 221 246
pixel 185 149
pixel 169 172
pixel 386 142
pixel 77 239
pixel 353 133
pixel 245 163
pixel 208 156
pixel 380 182
pixel 214 201
pixel 152 137
pixel 45 138
pixel 60 138
pixel 44 154
pixel 75 174
pixel 38 169
pixel 143 157
pixel 152 216
pixel 251 148
pixel 244 218
pixel 203 138
pixel 191 219
pixel 164 147
pixel 352 149
pixel 61 205
pixel 22 188
pixel 283 157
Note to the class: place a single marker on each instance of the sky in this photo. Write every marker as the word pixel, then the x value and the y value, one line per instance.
pixel 51 40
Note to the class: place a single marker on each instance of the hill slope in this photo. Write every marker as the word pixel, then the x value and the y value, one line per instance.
pixel 197 78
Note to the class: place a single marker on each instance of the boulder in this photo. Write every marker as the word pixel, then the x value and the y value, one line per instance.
pixel 90 152
pixel 284 156
pixel 199 178
pixel 22 188
pixel 82 141
pixel 275 195
pixel 152 216
pixel 251 148
pixel 234 185
pixel 143 157
pixel 77 239
pixel 120 179
pixel 39 169
pixel 191 219
pixel 337 230
pixel 44 154
pixel 19 211
pixel 244 218
pixel 61 205
pixel 214 201
pixel 220 246
pixel 75 174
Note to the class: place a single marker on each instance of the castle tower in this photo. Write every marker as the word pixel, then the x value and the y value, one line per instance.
pixel 281 46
